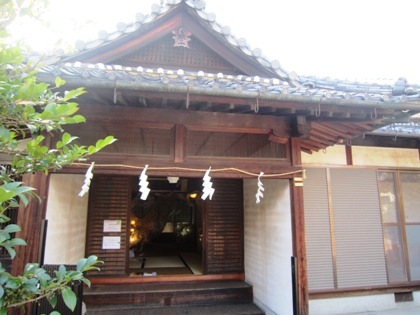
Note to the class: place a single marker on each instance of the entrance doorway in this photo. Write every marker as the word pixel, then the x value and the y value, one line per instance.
pixel 170 232
pixel 166 230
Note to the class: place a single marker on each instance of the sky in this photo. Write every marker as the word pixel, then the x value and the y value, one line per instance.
pixel 357 40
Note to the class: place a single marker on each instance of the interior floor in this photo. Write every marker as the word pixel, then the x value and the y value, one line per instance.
pixel 165 259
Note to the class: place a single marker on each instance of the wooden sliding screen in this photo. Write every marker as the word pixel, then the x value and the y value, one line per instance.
pixel 109 202
pixel 224 228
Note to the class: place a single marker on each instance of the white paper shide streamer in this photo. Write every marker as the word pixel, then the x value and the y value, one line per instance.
pixel 260 190
pixel 208 190
pixel 143 183
pixel 88 179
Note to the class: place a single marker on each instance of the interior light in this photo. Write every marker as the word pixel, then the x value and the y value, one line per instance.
pixel 173 179
pixel 193 195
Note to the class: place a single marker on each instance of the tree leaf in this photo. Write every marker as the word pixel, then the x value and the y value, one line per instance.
pixel 53 301
pixel 17 242
pixel 12 228
pixel 69 297
pixel 59 82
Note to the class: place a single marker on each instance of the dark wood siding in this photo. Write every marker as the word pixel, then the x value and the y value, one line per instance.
pixel 224 228
pixel 109 200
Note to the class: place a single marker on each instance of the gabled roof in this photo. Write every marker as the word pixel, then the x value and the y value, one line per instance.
pixel 188 16
pixel 337 109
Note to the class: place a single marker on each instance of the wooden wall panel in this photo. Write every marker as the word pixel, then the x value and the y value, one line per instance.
pixel 109 200
pixel 224 228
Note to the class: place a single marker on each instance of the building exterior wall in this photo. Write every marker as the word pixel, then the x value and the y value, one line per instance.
pixel 335 155
pixel 67 219
pixel 385 157
pixel 364 156
pixel 268 245
pixel 372 158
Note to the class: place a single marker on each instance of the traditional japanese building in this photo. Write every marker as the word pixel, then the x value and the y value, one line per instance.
pixel 311 204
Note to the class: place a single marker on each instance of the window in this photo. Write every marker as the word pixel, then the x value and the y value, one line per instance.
pixel 343 229
pixel 400 208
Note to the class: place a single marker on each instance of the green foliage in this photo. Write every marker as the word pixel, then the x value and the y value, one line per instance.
pixel 36 284
pixel 31 114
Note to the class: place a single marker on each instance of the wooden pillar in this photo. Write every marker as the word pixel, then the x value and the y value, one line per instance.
pixel 298 234
pixel 349 155
pixel 30 221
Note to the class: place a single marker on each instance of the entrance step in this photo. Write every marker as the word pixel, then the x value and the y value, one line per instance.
pixel 224 309
pixel 151 295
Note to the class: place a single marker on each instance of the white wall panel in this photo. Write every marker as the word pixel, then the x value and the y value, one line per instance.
pixel 268 245
pixel 67 219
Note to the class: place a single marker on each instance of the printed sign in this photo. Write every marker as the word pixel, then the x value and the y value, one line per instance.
pixel 111 242
pixel 112 225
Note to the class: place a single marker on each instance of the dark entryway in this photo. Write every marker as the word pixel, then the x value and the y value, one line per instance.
pixel 166 230
pixel 172 232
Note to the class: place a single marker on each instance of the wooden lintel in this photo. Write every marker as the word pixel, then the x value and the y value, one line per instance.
pixel 194 120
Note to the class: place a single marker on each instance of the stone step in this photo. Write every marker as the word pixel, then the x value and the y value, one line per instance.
pixel 221 309
pixel 170 294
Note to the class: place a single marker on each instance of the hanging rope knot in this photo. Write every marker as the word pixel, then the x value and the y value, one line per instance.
pixel 143 183
pixel 208 190
pixel 260 189
pixel 88 179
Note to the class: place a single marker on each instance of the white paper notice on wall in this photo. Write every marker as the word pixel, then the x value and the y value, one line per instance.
pixel 112 225
pixel 111 242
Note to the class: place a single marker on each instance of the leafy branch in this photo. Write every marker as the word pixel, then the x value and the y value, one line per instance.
pixel 36 284
pixel 31 113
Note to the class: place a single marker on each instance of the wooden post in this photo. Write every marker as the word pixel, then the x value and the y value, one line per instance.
pixel 349 154
pixel 30 221
pixel 180 140
pixel 298 233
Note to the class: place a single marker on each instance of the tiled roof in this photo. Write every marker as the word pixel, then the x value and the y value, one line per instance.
pixel 409 129
pixel 288 86
pixel 143 20
pixel 327 91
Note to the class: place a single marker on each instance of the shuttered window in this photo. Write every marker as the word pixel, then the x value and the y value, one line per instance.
pixel 318 233
pixel 360 258
pixel 109 201
pixel 344 236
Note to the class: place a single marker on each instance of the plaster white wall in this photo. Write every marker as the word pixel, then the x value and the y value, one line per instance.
pixel 335 155
pixel 67 220
pixel 362 304
pixel 364 156
pixel 268 245
pixel 373 156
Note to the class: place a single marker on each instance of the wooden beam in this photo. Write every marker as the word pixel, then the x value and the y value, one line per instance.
pixel 277 139
pixel 323 134
pixel 327 128
pixel 193 120
pixel 309 143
